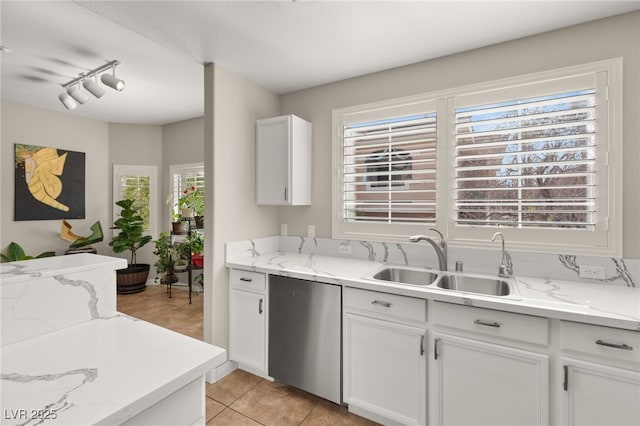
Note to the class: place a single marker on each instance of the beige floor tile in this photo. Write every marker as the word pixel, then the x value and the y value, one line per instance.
pixel 213 408
pixel 328 413
pixel 276 404
pixel 233 386
pixel 228 417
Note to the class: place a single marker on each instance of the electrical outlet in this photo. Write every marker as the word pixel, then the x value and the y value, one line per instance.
pixel 345 249
pixel 593 272
pixel 311 231
pixel 284 229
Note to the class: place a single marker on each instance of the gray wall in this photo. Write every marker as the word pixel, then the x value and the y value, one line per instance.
pixel 103 144
pixel 182 143
pixel 23 124
pixel 614 37
pixel 139 145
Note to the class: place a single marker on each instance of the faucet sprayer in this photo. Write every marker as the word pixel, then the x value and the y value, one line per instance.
pixel 505 269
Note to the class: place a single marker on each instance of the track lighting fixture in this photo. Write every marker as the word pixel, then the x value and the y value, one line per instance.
pixel 74 93
pixel 67 101
pixel 112 81
pixel 93 88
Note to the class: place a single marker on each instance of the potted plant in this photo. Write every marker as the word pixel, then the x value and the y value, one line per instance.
pixel 193 200
pixel 16 252
pixel 177 224
pixel 192 248
pixel 168 259
pixel 196 241
pixel 133 278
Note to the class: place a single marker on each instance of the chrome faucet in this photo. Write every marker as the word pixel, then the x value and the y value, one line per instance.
pixel 440 248
pixel 505 270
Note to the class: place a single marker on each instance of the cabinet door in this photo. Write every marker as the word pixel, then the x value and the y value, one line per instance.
pixel 596 394
pixel 272 160
pixel 478 383
pixel 385 369
pixel 247 330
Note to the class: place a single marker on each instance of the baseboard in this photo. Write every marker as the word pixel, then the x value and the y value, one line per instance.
pixel 221 371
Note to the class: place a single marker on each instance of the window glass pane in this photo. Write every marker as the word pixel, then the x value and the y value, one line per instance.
pixel 187 179
pixel 389 170
pixel 527 163
pixel 137 188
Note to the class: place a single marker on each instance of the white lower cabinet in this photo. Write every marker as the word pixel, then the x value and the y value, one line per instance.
pixel 248 321
pixel 478 383
pixel 601 375
pixel 597 394
pixel 481 373
pixel 384 363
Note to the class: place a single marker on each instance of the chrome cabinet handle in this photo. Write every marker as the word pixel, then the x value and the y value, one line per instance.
pixel 435 348
pixel 565 381
pixel 381 303
pixel 285 193
pixel 421 345
pixel 488 324
pixel 614 345
pixel 246 280
pixel 260 307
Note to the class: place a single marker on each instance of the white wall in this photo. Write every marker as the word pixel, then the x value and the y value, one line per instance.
pixel 232 106
pixel 614 37
pixel 22 124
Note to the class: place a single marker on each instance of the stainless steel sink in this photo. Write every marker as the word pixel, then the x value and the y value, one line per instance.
pixel 479 285
pixel 406 276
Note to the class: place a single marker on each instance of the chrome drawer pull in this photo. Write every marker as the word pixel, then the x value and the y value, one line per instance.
pixel 246 280
pixel 613 345
pixel 260 307
pixel 381 303
pixel 488 324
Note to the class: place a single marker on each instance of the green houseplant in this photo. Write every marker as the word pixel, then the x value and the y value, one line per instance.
pixel 16 252
pixel 130 237
pixel 168 258
pixel 193 200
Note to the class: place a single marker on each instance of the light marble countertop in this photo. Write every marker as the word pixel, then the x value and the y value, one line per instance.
pixel 102 371
pixel 599 304
pixel 13 272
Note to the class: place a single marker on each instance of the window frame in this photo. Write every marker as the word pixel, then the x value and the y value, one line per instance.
pixel 606 240
pixel 180 169
pixel 138 170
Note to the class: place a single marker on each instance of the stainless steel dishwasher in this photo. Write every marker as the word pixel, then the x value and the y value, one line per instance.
pixel 305 335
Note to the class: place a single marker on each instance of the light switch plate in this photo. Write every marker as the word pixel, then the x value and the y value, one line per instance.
pixel 311 231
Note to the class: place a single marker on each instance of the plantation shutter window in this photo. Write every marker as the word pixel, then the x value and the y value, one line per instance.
pixel 138 183
pixel 528 162
pixel 184 177
pixel 389 170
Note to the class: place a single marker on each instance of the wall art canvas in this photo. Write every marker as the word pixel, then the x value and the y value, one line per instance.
pixel 49 183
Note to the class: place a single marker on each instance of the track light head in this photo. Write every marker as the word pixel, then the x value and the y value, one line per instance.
pixel 76 93
pixel 93 88
pixel 67 101
pixel 112 81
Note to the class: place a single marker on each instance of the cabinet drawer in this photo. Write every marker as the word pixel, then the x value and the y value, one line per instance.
pixel 525 328
pixel 246 280
pixel 385 304
pixel 602 341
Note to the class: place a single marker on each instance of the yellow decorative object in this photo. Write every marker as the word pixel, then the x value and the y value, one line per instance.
pixel 41 173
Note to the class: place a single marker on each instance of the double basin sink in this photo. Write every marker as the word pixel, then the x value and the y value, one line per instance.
pixel 466 283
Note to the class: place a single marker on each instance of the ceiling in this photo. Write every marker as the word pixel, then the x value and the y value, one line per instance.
pixel 282 46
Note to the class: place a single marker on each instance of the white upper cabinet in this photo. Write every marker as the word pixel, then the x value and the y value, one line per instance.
pixel 283 161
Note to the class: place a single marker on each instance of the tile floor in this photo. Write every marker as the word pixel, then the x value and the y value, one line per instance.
pixel 240 398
